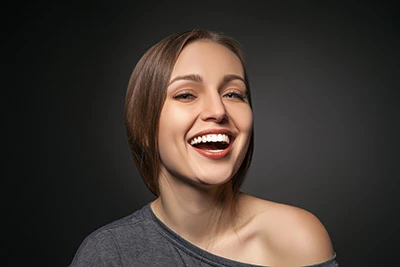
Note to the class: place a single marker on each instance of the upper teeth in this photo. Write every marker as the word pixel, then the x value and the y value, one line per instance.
pixel 210 138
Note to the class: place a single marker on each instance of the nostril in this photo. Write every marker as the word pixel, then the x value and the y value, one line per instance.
pixel 215 116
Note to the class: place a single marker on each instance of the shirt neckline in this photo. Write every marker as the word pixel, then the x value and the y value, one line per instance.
pixel 189 247
pixel 198 252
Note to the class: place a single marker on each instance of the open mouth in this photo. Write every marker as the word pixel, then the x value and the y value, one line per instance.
pixel 211 142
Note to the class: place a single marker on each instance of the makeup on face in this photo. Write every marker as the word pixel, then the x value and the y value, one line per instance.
pixel 206 121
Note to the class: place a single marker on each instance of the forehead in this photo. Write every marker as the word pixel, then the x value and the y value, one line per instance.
pixel 205 57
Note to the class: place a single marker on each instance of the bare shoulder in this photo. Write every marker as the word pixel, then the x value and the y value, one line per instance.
pixel 291 235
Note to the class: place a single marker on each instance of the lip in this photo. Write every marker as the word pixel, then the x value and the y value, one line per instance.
pixel 215 155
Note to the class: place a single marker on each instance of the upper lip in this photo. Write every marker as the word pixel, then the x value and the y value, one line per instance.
pixel 214 131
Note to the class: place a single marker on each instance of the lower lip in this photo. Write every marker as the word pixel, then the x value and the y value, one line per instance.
pixel 220 154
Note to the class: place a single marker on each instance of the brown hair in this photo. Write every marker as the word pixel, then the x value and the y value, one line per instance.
pixel 145 97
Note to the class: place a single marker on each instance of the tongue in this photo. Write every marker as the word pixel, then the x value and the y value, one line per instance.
pixel 212 146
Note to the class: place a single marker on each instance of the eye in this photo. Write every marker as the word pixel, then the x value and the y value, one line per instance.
pixel 235 95
pixel 185 97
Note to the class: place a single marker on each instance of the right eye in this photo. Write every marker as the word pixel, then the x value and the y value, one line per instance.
pixel 184 96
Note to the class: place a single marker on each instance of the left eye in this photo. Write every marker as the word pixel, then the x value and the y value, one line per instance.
pixel 234 95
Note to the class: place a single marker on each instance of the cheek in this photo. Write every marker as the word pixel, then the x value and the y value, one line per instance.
pixel 165 142
pixel 172 123
pixel 173 126
pixel 243 118
pixel 165 131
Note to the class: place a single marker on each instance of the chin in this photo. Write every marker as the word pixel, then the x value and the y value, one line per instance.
pixel 215 179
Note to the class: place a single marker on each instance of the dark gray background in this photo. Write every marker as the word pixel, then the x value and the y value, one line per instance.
pixel 324 85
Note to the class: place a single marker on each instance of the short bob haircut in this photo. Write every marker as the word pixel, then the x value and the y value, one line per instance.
pixel 146 94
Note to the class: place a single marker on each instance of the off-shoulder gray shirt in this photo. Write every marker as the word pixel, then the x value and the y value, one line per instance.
pixel 141 239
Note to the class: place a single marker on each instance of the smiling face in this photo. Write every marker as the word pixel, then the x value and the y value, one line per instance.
pixel 206 121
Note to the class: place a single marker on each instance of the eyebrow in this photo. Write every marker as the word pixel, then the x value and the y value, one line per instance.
pixel 191 77
pixel 197 78
pixel 231 77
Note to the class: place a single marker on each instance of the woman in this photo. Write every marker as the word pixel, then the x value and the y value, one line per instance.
pixel 190 127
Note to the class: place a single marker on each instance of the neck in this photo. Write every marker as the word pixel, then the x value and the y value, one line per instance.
pixel 199 214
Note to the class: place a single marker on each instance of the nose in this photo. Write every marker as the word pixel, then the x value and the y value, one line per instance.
pixel 214 109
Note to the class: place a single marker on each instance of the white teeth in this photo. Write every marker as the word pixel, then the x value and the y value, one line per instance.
pixel 210 138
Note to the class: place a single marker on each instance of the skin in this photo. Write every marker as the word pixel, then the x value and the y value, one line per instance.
pixel 200 97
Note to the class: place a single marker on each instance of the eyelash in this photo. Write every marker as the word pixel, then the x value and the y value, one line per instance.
pixel 186 96
pixel 235 94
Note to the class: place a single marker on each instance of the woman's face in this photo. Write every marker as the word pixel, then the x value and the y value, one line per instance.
pixel 206 121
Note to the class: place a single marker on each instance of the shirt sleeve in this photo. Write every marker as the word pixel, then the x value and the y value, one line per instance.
pixel 97 250
pixel 329 263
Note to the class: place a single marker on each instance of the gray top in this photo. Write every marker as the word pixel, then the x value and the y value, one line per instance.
pixel 141 239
